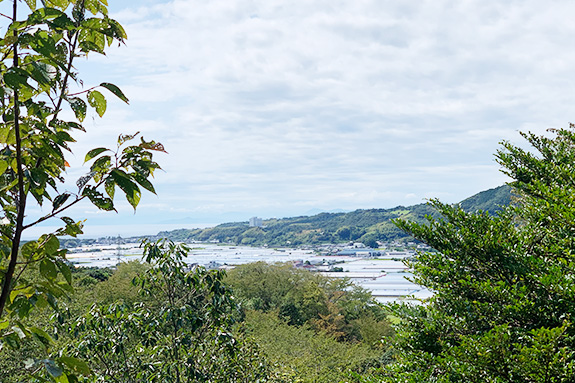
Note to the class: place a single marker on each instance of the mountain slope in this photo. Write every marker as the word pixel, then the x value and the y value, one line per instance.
pixel 367 226
pixel 489 200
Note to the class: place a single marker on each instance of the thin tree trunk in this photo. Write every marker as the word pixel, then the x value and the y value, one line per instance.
pixel 21 198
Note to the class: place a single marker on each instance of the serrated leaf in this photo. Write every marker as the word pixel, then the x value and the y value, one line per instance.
pixel 116 91
pixel 79 107
pixel 93 153
pixel 59 201
pixel 97 101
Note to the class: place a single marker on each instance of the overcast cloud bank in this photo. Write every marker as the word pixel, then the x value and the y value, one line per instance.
pixel 272 108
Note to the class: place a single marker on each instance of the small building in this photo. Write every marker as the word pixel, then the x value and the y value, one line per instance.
pixel 256 222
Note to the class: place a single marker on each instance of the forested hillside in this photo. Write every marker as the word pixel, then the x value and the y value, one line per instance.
pixel 489 200
pixel 366 226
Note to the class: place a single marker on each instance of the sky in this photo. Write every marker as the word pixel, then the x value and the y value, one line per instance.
pixel 274 109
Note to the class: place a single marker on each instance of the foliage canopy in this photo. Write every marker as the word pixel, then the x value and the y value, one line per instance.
pixel 40 116
pixel 503 308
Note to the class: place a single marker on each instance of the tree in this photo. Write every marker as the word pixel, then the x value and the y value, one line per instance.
pixel 179 331
pixel 302 355
pixel 37 75
pixel 504 297
pixel 331 305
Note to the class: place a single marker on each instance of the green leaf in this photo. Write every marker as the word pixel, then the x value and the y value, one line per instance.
pixel 67 220
pixel 42 335
pixel 89 46
pixel 66 272
pixel 132 191
pixel 75 125
pixel 3 167
pixel 7 135
pixel 119 31
pixel 29 248
pixel 19 330
pixel 72 228
pixel 98 199
pixel 110 187
pixel 117 91
pixel 78 11
pixel 97 101
pixel 79 107
pixel 48 269
pixel 4 324
pixel 59 201
pixel 43 73
pixel 44 14
pixel 75 364
pixel 52 244
pixel 16 78
pixel 31 4
pixel 101 166
pixel 144 182
pixel 93 153
pixel 4 251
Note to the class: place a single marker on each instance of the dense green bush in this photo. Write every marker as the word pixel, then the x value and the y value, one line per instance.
pixel 300 354
pixel 332 305
pixel 504 302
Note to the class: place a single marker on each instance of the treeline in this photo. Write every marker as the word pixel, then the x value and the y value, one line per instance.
pixel 366 226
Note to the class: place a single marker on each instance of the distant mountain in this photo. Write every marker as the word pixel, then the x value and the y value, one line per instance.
pixel 367 226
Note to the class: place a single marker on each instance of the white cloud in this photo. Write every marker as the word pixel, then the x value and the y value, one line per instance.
pixel 278 107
